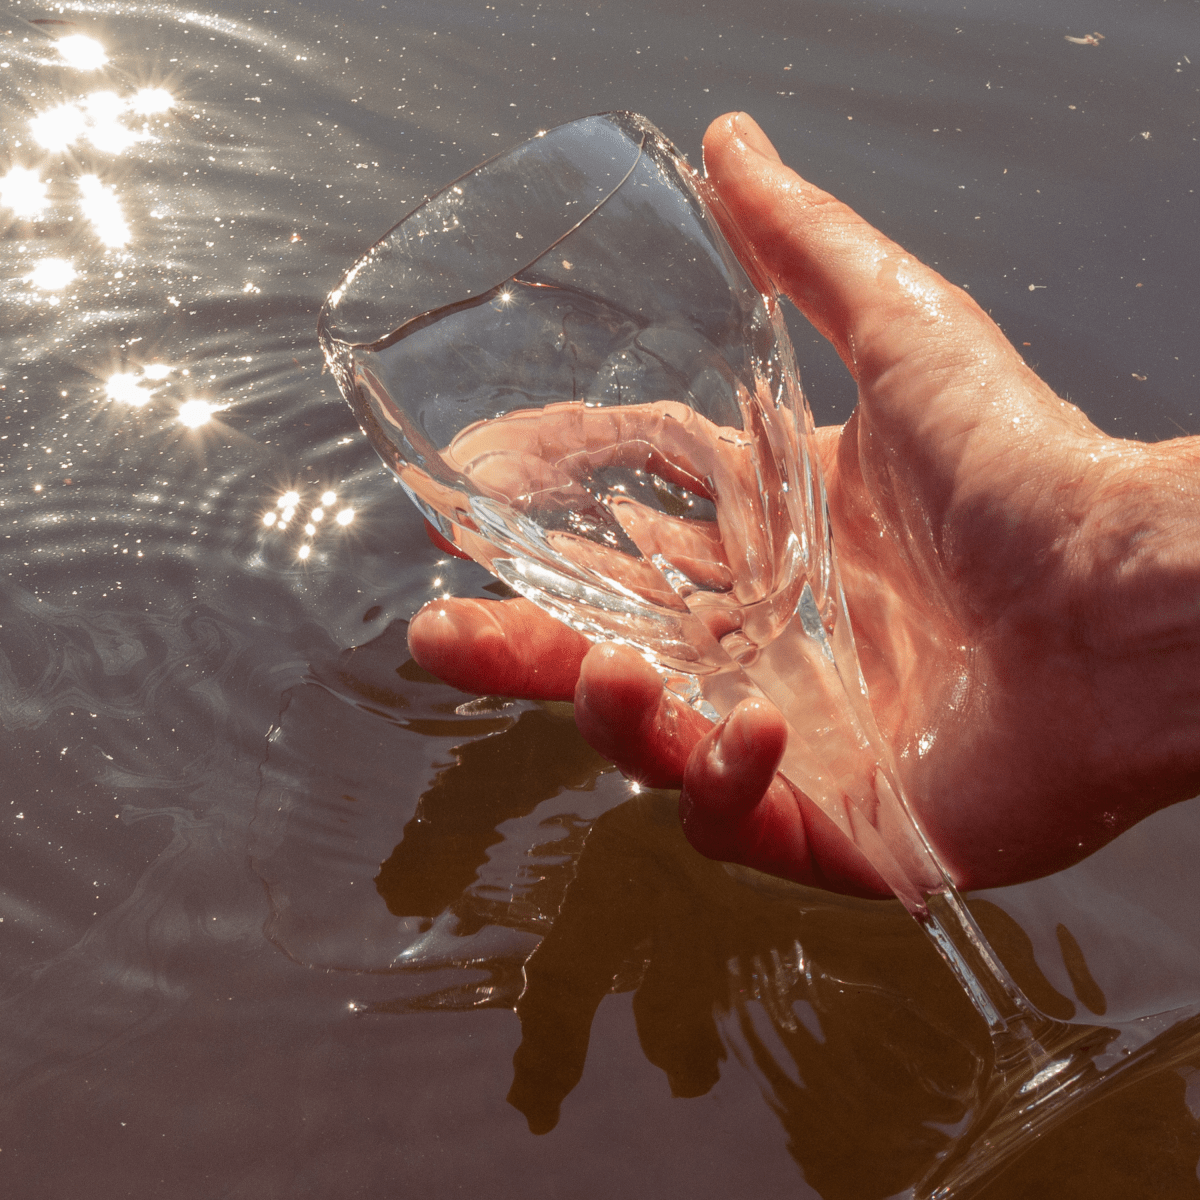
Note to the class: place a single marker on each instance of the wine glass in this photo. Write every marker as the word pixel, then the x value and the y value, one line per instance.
pixel 580 374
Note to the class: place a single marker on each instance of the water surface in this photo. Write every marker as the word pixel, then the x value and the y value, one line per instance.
pixel 282 916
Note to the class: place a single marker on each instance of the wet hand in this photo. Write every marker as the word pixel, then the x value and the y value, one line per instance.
pixel 1023 588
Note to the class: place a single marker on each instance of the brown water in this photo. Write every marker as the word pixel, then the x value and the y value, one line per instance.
pixel 284 917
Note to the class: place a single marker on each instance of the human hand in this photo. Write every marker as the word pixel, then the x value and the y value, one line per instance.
pixel 1023 588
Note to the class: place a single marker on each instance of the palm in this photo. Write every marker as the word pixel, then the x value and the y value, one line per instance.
pixel 958 586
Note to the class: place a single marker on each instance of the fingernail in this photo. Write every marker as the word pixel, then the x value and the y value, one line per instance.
pixel 434 629
pixel 748 130
pixel 451 625
pixel 730 746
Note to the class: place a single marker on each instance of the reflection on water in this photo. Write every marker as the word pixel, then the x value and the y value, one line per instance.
pixel 204 578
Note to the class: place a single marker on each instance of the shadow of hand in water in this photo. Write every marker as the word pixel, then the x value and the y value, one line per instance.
pixel 862 1044
pixel 859 1039
pixel 880 1055
pixel 840 1008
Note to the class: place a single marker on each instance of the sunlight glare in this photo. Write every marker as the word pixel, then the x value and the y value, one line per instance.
pixel 100 119
pixel 52 274
pixel 82 52
pixel 194 413
pixel 125 387
pixel 23 191
pixel 103 209
pixel 107 134
pixel 58 127
pixel 288 500
pixel 304 551
pixel 148 101
pixel 156 370
pixel 345 516
pixel 328 498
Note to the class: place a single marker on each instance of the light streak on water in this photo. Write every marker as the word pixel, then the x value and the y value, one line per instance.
pixel 103 209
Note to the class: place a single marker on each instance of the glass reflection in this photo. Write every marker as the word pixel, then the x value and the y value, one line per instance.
pixel 865 1053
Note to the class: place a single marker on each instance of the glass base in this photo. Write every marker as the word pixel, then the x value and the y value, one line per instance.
pixel 1043 1071
pixel 1023 1102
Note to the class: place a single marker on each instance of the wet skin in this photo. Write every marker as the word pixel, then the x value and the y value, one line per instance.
pixel 1025 590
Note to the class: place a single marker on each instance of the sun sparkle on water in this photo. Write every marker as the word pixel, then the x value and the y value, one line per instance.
pixel 23 190
pixel 107 134
pixel 99 118
pixel 82 52
pixel 58 127
pixel 125 387
pixel 52 274
pixel 148 101
pixel 194 413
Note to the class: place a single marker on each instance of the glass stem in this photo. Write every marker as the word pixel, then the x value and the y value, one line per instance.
pixel 1016 1027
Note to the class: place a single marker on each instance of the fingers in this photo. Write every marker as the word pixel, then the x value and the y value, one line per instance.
pixel 732 803
pixel 735 808
pixel 507 647
pixel 622 710
pixel 858 287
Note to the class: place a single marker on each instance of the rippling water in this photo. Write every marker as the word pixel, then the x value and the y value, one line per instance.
pixel 269 895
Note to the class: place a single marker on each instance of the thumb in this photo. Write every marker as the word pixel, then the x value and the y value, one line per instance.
pixel 873 301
